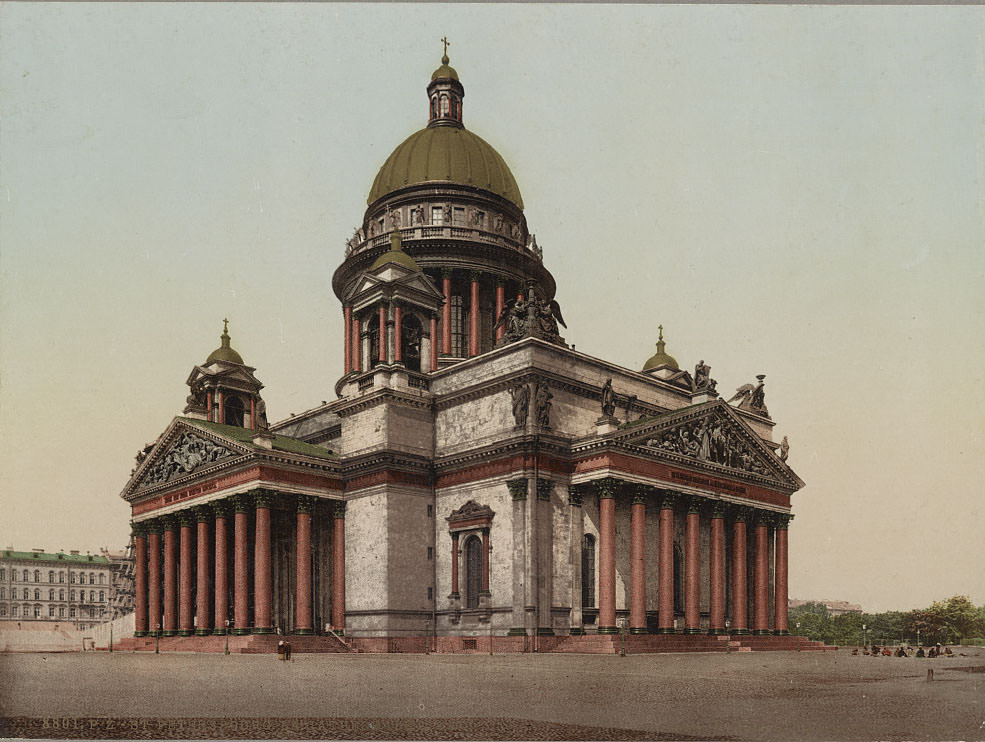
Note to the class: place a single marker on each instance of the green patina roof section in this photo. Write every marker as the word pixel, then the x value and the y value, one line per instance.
pixel 57 556
pixel 446 154
pixel 280 442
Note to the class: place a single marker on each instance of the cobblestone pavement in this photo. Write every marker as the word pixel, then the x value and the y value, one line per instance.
pixel 746 696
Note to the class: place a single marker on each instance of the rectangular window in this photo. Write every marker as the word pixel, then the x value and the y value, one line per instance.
pixel 430 511
pixel 458 217
pixel 470 643
pixel 430 593
pixel 430 553
pixel 71 612
pixel 457 327
pixel 51 611
pixel 37 611
pixel 61 611
pixel 13 610
pixel 437 217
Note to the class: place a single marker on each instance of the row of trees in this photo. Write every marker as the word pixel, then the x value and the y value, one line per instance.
pixel 947 621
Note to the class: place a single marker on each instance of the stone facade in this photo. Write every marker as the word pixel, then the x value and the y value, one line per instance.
pixel 475 475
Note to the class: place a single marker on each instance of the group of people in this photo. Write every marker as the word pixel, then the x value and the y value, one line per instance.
pixel 938 650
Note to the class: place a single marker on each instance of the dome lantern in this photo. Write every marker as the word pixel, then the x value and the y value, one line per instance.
pixel 445 94
pixel 661 359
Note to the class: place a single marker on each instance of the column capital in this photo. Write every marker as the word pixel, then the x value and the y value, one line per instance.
pixel 138 530
pixel 263 498
pixel 640 494
pixel 203 514
pixel 474 276
pixel 220 508
pixel 446 272
pixel 607 488
pixel 517 488
pixel 241 503
pixel 338 511
pixel 693 505
pixel 575 495
pixel 305 503
pixel 544 489
pixel 668 499
pixel 741 514
pixel 762 517
pixel 782 521
pixel 718 509
pixel 152 526
pixel 500 281
pixel 169 522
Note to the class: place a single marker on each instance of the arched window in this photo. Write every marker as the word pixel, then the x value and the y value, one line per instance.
pixel 37 575
pixel 102 578
pixel 61 595
pixel 51 575
pixel 410 342
pixel 27 594
pixel 51 611
pixel 372 325
pixel 27 576
pixel 71 612
pixel 434 107
pixel 3 575
pixel 92 578
pixel 51 595
pixel 73 596
pixel 71 576
pixel 13 610
pixel 457 327
pixel 588 571
pixel 3 593
pixel 102 596
pixel 232 415
pixel 61 611
pixel 444 105
pixel 37 593
pixel 92 596
pixel 82 596
pixel 3 610
pixel 61 577
pixel 37 611
pixel 473 571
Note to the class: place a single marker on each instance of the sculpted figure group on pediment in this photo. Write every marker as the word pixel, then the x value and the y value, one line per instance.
pixel 186 455
pixel 709 439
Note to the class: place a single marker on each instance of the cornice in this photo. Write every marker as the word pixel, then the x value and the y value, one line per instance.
pixel 384 395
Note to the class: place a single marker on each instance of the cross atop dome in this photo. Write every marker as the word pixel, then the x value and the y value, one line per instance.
pixel 444 57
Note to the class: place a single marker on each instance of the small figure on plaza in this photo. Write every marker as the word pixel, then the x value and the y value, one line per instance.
pixel 608 399
pixel 521 404
pixel 543 401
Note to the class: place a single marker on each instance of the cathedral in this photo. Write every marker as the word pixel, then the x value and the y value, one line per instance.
pixel 476 483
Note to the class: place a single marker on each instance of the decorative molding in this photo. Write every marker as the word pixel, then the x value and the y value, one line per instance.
pixel 240 504
pixel 518 489
pixel 203 513
pixel 471 515
pixel 188 453
pixel 305 503
pixel 575 496
pixel 263 498
pixel 668 498
pixel 640 494
pixel 607 488
pixel 544 489
pixel 220 508
pixel 338 511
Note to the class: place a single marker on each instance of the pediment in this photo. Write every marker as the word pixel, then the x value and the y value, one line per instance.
pixel 232 375
pixel 411 286
pixel 713 436
pixel 183 451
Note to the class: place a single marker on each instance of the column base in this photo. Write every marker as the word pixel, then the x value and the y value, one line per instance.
pixel 545 631
pixel 691 630
pixel 740 632
pixel 577 631
pixel 303 632
pixel 239 631
pixel 517 632
pixel 169 632
pixel 263 630
pixel 666 630
pixel 781 632
pixel 717 632
pixel 185 632
pixel 639 630
pixel 202 632
pixel 608 629
pixel 761 632
pixel 218 632
pixel 140 633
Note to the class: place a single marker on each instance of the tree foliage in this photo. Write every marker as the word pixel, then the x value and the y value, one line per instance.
pixel 948 621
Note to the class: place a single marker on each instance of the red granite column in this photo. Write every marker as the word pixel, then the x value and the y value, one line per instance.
pixel 253 413
pixel 347 333
pixel 398 316
pixel 338 568
pixel 170 568
pixel 474 315
pixel 607 556
pixel 500 304
pixel 222 409
pixel 382 353
pixel 241 568
pixel 716 571
pixel 303 621
pixel 446 313
pixel 740 598
pixel 154 577
pixel 185 575
pixel 665 566
pixel 781 594
pixel 454 567
pixel 202 592
pixel 140 579
pixel 357 351
pixel 209 402
pixel 434 343
pixel 484 587
pixel 261 565
pixel 761 608
pixel 221 570
pixel 692 569
pixel 637 563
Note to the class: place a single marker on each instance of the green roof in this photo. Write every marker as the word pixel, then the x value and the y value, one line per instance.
pixel 396 255
pixel 57 556
pixel 446 154
pixel 279 442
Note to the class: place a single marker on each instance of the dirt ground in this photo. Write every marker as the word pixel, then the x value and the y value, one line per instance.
pixel 744 696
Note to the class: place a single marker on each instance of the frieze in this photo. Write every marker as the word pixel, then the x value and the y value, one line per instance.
pixel 188 453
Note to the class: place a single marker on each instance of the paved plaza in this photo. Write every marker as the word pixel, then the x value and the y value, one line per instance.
pixel 743 696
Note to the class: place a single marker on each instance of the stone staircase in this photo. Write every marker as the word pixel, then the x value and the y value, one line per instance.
pixel 660 643
pixel 249 644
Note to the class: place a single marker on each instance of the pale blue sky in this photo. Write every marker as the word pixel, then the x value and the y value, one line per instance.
pixel 792 191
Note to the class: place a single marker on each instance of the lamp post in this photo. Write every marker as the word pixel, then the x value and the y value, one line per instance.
pixel 865 637
pixel 227 636
pixel 157 639
pixel 728 641
pixel 111 638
